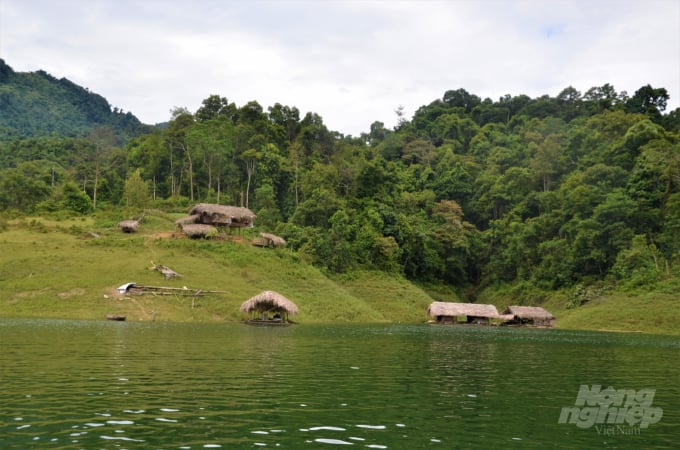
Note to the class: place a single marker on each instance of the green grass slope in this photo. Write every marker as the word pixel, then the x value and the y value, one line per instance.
pixel 71 270
pixel 654 312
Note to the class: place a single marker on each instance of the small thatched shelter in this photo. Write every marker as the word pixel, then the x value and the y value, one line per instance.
pixel 196 231
pixel 189 220
pixel 269 240
pixel 129 226
pixel 220 215
pixel 528 315
pixel 269 307
pixel 448 312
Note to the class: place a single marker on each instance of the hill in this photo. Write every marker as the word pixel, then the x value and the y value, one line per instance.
pixel 35 104
pixel 571 200
pixel 70 269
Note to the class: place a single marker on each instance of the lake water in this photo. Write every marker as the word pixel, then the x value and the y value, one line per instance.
pixel 112 385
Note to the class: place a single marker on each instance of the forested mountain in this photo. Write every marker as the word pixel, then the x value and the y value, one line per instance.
pixel 582 189
pixel 37 104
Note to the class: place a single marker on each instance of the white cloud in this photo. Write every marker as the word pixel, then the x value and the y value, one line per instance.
pixel 352 62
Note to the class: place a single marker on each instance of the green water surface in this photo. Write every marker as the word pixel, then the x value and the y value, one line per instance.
pixel 112 385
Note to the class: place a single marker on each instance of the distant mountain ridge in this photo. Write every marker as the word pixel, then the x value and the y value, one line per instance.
pixel 34 104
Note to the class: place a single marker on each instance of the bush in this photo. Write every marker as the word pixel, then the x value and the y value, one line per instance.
pixel 76 200
pixel 582 295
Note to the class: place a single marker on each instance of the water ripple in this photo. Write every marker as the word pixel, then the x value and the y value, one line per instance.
pixel 230 386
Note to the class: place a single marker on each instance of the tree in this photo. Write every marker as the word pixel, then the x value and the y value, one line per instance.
pixel 75 200
pixel 136 191
pixel 250 157
pixel 23 187
pixel 649 101
pixel 213 107
pixel 546 161
pixel 288 118
pixel 175 140
pixel 598 99
pixel 103 140
pixel 453 233
pixel 638 265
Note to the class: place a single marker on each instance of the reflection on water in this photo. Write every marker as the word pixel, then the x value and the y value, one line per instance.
pixel 69 384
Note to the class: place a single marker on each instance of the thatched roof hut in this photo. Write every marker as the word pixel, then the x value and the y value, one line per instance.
pixel 189 220
pixel 129 226
pixel 269 240
pixel 528 315
pixel 220 215
pixel 269 306
pixel 198 230
pixel 448 312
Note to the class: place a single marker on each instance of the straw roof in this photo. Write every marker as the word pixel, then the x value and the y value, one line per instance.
pixel 269 301
pixel 235 212
pixel 187 220
pixel 199 230
pixel 276 240
pixel 128 226
pixel 528 312
pixel 461 309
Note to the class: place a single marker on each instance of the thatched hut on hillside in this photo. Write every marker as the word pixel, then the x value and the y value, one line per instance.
pixel 269 307
pixel 197 230
pixel 129 226
pixel 189 220
pixel 269 240
pixel 454 313
pixel 220 215
pixel 527 315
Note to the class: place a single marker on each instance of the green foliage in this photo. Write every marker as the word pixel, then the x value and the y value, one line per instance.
pixel 75 200
pixel 581 295
pixel 136 191
pixel 537 193
pixel 23 187
pixel 37 104
pixel 638 266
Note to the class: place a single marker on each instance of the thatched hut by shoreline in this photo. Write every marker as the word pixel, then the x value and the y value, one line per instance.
pixel 462 313
pixel 269 308
pixel 527 315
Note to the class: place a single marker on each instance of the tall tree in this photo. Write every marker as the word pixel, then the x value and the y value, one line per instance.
pixel 103 140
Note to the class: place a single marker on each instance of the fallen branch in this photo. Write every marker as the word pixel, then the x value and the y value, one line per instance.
pixel 165 270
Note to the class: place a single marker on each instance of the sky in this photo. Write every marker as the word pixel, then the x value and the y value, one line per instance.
pixel 352 62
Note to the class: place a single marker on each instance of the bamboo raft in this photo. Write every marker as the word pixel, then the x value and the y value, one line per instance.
pixel 138 289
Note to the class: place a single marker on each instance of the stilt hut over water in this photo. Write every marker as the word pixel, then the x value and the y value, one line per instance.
pixel 454 313
pixel 528 315
pixel 269 308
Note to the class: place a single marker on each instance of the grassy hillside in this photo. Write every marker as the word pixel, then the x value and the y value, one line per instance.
pixel 652 312
pixel 71 269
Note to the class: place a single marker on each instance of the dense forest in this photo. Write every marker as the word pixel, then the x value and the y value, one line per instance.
pixel 578 190
pixel 37 104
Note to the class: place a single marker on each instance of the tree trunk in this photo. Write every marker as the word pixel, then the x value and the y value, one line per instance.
pixel 96 183
pixel 190 173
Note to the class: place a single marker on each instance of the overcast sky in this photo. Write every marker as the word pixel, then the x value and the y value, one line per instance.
pixel 352 62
